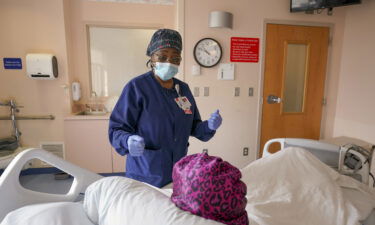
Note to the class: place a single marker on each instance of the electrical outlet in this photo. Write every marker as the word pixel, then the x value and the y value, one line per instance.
pixel 251 91
pixel 206 91
pixel 236 91
pixel 245 151
pixel 205 150
pixel 196 91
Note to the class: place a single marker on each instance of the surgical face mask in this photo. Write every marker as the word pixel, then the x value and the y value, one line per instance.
pixel 165 70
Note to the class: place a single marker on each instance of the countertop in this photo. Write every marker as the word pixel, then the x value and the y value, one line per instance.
pixel 87 117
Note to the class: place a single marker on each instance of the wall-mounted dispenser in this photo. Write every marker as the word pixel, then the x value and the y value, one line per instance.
pixel 41 66
pixel 76 91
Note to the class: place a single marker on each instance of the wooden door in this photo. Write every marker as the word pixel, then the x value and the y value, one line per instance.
pixel 295 68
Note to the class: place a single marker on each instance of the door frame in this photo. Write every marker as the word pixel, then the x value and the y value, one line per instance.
pixel 262 68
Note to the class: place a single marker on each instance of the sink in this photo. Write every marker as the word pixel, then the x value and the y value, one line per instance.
pixel 6 156
pixel 6 153
pixel 9 143
pixel 92 113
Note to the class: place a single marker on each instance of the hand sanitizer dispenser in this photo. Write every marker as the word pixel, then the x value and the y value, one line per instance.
pixel 76 91
pixel 41 66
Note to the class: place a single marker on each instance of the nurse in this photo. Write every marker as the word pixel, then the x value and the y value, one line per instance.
pixel 156 113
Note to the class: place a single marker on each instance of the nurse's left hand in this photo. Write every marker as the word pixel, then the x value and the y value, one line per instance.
pixel 215 120
pixel 136 145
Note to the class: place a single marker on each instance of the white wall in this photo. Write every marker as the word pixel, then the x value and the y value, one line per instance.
pixel 355 114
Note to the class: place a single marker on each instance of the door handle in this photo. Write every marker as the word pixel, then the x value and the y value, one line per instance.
pixel 272 99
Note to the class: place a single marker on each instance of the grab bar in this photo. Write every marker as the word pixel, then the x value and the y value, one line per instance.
pixel 48 117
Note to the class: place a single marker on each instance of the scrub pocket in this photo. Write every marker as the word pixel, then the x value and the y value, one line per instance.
pixel 153 167
pixel 154 159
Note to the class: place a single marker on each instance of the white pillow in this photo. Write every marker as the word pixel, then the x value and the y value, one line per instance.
pixel 120 200
pixel 57 213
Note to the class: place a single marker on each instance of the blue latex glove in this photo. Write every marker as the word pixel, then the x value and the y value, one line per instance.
pixel 136 145
pixel 215 120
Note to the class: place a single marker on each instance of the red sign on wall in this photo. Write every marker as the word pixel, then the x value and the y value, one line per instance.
pixel 244 49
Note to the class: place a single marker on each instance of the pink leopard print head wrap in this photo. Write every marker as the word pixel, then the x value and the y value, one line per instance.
pixel 209 187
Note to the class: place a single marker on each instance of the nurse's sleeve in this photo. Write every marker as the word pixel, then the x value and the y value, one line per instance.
pixel 200 128
pixel 124 118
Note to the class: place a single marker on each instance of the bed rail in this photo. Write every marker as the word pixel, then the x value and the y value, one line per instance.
pixel 327 153
pixel 14 196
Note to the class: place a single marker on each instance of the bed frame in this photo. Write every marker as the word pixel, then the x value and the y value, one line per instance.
pixel 14 196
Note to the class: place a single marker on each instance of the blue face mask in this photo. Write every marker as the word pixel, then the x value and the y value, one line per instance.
pixel 165 70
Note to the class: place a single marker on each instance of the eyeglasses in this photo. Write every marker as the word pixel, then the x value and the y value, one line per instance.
pixel 163 58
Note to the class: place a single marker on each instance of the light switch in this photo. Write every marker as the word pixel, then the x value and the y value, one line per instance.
pixel 206 91
pixel 251 91
pixel 196 92
pixel 236 91
pixel 195 70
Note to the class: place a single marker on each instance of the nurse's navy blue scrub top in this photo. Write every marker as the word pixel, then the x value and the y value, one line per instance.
pixel 147 109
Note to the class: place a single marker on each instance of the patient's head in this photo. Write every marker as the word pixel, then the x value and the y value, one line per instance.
pixel 210 187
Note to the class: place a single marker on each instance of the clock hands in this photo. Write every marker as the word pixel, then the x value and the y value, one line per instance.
pixel 205 50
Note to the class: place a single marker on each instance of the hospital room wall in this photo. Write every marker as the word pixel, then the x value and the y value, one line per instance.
pixel 355 115
pixel 240 114
pixel 34 26
pixel 40 26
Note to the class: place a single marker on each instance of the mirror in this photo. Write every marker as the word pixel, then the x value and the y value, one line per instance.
pixel 116 56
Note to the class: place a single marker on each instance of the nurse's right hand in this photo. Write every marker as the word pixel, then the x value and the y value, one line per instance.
pixel 136 145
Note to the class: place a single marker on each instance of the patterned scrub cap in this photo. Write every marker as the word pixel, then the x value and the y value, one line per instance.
pixel 164 38
pixel 209 187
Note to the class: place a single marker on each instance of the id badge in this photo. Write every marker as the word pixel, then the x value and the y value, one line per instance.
pixel 188 111
pixel 184 104
pixel 179 102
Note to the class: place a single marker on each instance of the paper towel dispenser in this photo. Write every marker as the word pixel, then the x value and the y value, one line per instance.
pixel 41 66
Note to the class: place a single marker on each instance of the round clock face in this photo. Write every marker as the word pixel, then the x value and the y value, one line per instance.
pixel 207 52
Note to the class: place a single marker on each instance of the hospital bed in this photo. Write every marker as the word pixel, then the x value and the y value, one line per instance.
pixel 107 199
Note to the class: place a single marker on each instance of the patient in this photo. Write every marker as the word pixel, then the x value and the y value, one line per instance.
pixel 209 187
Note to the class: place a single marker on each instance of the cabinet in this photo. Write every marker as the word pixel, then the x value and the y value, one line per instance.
pixel 87 144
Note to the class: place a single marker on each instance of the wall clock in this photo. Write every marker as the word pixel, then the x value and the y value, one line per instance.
pixel 207 52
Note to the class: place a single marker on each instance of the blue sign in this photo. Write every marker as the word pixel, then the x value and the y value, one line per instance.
pixel 12 63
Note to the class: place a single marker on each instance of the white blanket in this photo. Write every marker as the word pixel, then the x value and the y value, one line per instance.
pixel 294 187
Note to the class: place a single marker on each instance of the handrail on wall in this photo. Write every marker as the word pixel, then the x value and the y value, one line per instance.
pixel 47 117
